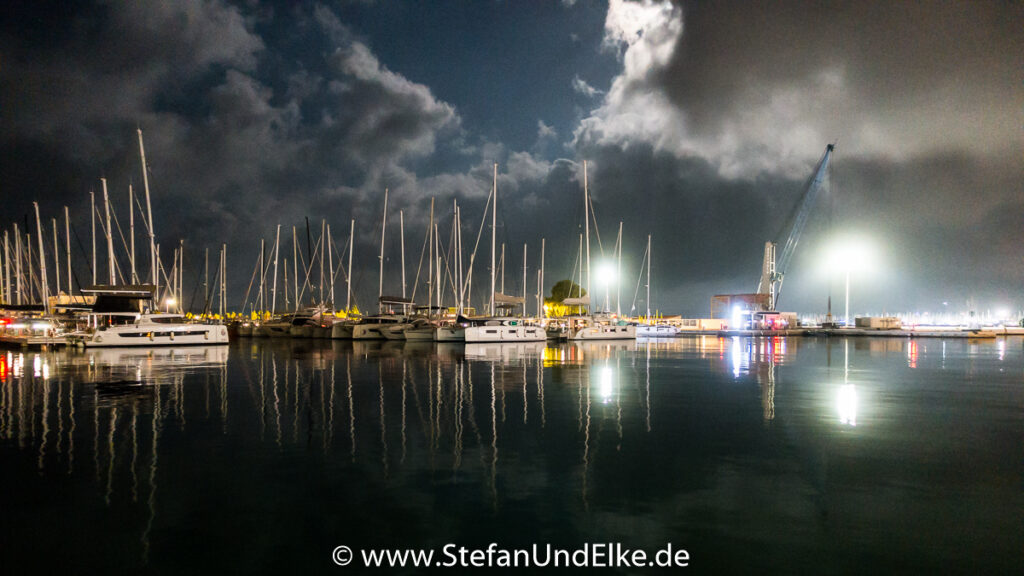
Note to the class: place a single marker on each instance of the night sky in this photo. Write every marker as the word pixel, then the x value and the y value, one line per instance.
pixel 700 121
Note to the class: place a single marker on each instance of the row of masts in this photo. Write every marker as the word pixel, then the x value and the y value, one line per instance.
pixel 25 276
pixel 22 283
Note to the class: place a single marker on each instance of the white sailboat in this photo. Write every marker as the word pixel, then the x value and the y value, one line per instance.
pixel 119 318
pixel 593 326
pixel 650 329
pixel 499 328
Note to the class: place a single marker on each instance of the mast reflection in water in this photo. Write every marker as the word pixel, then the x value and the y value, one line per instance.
pixel 264 455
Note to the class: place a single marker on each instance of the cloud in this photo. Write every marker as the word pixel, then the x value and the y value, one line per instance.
pixel 751 98
pixel 545 132
pixel 580 86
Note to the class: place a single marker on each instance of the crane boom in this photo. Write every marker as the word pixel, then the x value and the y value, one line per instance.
pixel 774 271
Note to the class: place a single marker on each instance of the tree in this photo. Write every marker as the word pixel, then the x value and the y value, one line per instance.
pixel 566 289
pixel 559 292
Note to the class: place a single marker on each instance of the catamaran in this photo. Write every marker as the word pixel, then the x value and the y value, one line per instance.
pixel 121 317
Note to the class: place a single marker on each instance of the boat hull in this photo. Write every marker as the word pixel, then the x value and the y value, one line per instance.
pixel 341 331
pixel 656 331
pixel 367 332
pixel 187 335
pixel 603 332
pixel 450 334
pixel 504 334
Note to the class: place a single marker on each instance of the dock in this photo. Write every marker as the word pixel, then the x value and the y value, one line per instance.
pixel 862 332
pixel 31 341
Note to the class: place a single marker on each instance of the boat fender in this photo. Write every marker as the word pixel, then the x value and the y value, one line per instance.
pixel 206 335
pixel 172 336
pixel 150 336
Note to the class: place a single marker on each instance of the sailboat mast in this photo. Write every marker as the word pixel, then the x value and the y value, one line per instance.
pixel 42 261
pixel 110 239
pixel 295 265
pixel 262 274
pixel 348 275
pixel 586 220
pixel 56 258
pixel 401 240
pixel 92 212
pixel 494 234
pixel 149 214
pixel 458 252
pixel 181 276
pixel 330 266
pixel 618 276
pixel 17 263
pixel 648 278
pixel 273 288
pixel 524 279
pixel 540 283
pixel 67 245
pixel 323 236
pixel 223 279
pixel 383 228
pixel 430 256
pixel 206 280
pixel 437 254
pixel 7 268
pixel 131 232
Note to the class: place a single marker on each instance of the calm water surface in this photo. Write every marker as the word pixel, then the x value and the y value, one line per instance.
pixel 796 455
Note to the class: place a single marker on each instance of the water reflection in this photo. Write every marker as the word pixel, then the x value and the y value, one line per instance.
pixel 580 424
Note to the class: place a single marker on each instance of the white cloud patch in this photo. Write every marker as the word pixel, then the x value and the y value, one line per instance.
pixel 580 86
pixel 545 132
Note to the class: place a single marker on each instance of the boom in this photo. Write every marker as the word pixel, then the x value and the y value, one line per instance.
pixel 774 269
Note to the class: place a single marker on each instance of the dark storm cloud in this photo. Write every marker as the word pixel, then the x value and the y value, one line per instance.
pixel 923 99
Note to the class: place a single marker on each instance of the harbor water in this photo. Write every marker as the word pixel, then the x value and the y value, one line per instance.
pixel 782 455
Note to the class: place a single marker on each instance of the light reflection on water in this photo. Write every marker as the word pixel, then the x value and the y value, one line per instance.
pixel 701 440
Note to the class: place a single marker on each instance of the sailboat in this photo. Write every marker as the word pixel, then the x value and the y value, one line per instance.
pixel 372 327
pixel 594 326
pixel 124 316
pixel 649 329
pixel 498 328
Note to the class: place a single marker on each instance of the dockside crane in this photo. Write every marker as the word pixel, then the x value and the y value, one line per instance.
pixel 773 269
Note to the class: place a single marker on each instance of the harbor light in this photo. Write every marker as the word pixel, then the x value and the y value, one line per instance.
pixel 849 255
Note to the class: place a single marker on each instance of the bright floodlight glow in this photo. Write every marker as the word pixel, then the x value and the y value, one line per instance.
pixel 737 318
pixel 850 254
pixel 606 274
pixel 171 302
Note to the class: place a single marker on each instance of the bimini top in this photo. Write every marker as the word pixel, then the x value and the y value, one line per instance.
pixel 396 300
pixel 120 299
